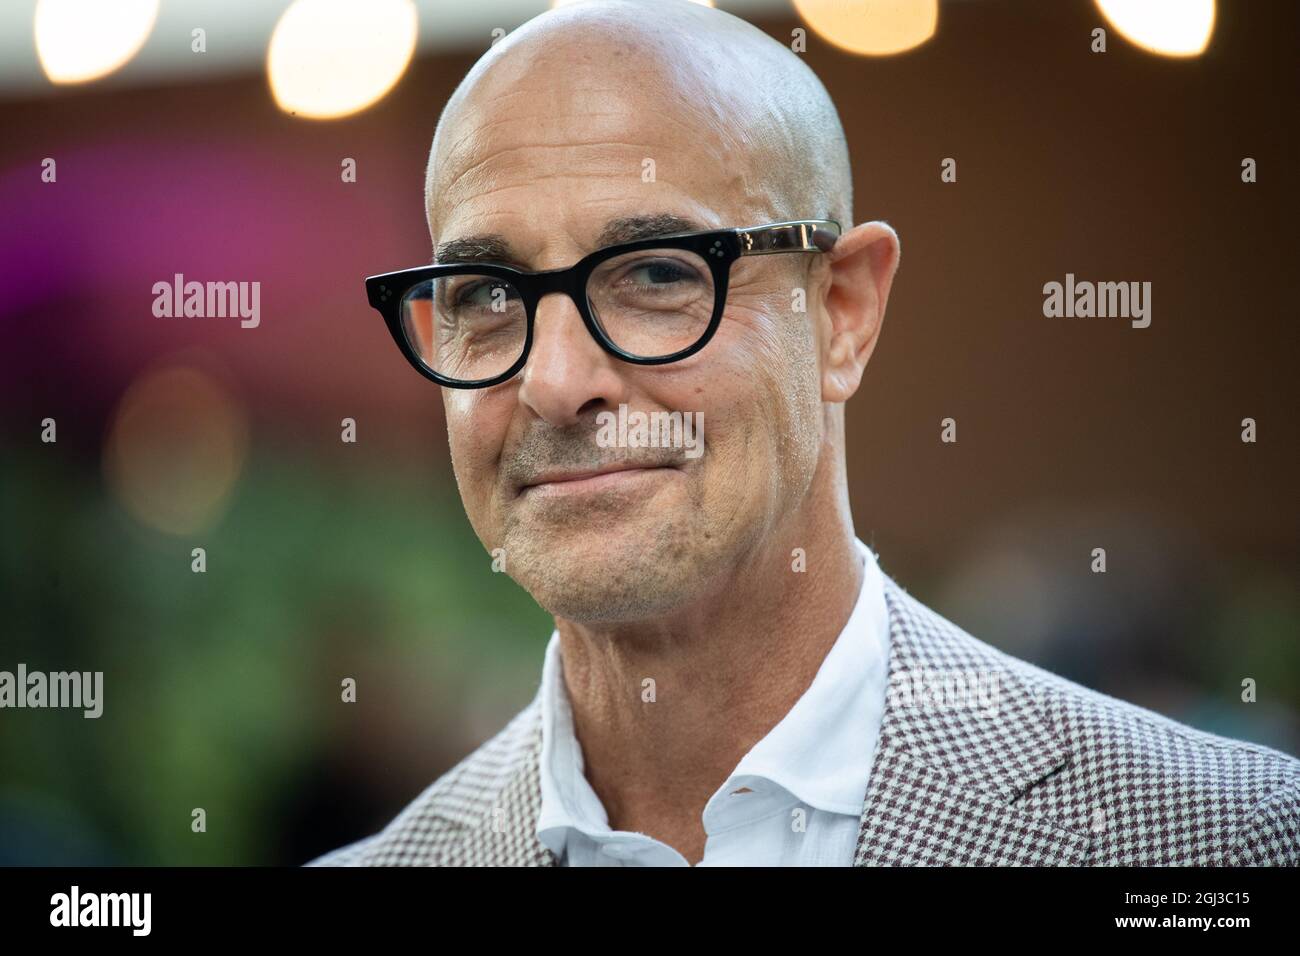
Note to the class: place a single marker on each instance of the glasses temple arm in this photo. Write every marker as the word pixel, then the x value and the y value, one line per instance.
pixel 814 235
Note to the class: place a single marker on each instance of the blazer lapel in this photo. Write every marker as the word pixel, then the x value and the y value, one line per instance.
pixel 506 834
pixel 962 738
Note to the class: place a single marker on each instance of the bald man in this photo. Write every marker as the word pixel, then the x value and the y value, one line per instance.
pixel 642 211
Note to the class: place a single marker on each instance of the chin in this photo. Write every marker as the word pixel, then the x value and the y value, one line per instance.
pixel 604 609
pixel 604 574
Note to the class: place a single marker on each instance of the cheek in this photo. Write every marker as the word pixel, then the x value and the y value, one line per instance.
pixel 744 405
pixel 476 428
pixel 764 329
pixel 800 399
pixel 774 408
pixel 775 354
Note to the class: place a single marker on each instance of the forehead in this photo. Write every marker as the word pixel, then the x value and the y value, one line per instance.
pixel 572 147
pixel 501 248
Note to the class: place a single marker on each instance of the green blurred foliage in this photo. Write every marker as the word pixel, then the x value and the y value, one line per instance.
pixel 222 688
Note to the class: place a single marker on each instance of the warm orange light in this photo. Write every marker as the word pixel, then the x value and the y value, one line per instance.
pixel 332 58
pixel 175 448
pixel 871 27
pixel 1167 27
pixel 82 40
pixel 569 3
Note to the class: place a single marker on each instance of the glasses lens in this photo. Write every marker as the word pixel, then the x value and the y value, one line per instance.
pixel 654 302
pixel 465 327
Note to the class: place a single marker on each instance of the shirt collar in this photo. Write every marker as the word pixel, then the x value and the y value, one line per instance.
pixel 820 752
pixel 568 800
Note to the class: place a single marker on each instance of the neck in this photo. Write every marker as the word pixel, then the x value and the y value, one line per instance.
pixel 664 712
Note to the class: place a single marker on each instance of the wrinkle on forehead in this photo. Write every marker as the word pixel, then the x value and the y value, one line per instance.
pixel 746 100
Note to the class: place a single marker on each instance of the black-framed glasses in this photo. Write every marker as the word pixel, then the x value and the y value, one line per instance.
pixel 648 302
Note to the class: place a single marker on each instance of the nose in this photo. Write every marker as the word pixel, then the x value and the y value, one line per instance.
pixel 567 375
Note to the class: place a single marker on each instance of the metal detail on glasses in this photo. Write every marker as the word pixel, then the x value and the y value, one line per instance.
pixel 648 302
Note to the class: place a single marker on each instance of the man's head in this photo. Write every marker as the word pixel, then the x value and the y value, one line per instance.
pixel 545 144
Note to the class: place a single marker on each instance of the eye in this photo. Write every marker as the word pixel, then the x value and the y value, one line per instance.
pixel 483 294
pixel 653 273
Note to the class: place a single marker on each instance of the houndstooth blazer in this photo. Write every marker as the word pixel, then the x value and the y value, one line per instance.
pixel 1032 769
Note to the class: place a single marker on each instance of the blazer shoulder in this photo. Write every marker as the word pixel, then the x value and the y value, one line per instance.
pixel 1165 793
pixel 1150 790
pixel 1137 738
pixel 1157 791
pixel 1272 835
pixel 461 799
pixel 1088 717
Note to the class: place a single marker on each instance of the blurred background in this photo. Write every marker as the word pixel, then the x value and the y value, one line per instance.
pixel 328 559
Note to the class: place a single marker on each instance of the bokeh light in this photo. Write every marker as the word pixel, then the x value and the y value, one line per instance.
pixel 569 3
pixel 81 40
pixel 332 58
pixel 1167 27
pixel 871 27
pixel 176 446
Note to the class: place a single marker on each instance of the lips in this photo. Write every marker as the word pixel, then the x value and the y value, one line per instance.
pixel 591 479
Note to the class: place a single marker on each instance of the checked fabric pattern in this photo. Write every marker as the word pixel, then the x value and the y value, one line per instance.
pixel 983 759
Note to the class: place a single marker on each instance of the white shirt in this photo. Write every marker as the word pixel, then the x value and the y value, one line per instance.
pixel 806 779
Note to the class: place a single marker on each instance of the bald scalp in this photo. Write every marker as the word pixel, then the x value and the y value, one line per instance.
pixel 767 114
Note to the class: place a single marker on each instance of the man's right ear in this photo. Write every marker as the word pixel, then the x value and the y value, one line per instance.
pixel 863 262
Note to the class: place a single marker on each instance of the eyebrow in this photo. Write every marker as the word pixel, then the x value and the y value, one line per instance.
pixel 494 247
